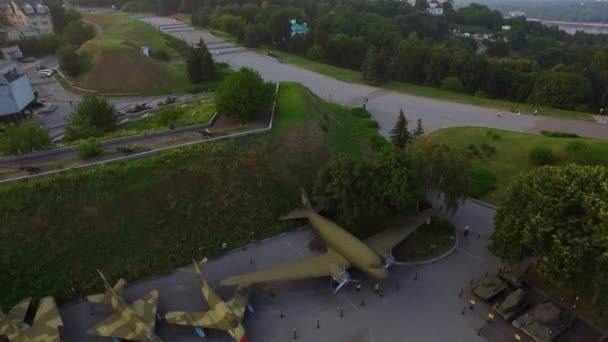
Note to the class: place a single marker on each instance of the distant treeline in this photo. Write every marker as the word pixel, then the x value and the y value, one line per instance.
pixel 564 10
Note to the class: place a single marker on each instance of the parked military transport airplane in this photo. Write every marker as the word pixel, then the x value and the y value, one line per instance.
pixel 372 256
pixel 44 329
pixel 226 316
pixel 133 322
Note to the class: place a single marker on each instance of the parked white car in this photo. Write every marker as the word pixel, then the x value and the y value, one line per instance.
pixel 46 73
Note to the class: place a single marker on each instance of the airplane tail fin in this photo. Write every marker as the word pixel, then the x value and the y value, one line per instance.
pixel 302 212
pixel 105 281
pixel 199 266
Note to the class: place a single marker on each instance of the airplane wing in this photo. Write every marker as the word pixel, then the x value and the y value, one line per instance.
pixel 18 312
pixel 193 319
pixel 116 326
pixel 328 264
pixel 239 301
pixel 46 323
pixel 384 241
pixel 145 307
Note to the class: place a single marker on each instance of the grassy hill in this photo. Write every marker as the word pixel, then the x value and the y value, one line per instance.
pixel 143 217
pixel 118 66
pixel 492 172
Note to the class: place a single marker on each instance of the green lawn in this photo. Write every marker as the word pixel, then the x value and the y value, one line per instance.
pixel 512 154
pixel 355 76
pixel 144 217
pixel 165 118
pixel 427 242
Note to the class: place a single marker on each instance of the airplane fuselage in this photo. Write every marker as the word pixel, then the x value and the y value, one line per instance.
pixel 125 310
pixel 348 246
pixel 13 332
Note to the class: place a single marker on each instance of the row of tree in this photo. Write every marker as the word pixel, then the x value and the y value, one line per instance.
pixel 394 40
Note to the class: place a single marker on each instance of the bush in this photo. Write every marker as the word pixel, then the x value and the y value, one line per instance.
pixel 161 54
pixel 378 142
pixel 69 61
pixel 316 53
pixel 541 155
pixel 93 117
pixel 89 148
pixel 168 116
pixel 452 84
pixel 557 134
pixel 483 181
pixel 245 95
pixel 25 138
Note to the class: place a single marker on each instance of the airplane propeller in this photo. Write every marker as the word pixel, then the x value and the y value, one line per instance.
pixel 390 260
pixel 345 279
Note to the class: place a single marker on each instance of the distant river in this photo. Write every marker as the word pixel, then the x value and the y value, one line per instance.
pixel 572 27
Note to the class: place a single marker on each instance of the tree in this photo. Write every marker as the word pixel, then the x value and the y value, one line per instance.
pixel 25 138
pixel 442 170
pixel 561 89
pixel 92 118
pixel 251 38
pixel 399 135
pixel 244 95
pixel 558 215
pixel 69 61
pixel 368 70
pixel 77 32
pixel 279 27
pixel 452 84
pixel 421 5
pixel 200 64
pixel 419 132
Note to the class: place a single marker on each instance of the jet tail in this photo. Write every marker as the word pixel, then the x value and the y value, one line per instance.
pixel 105 281
pixel 199 266
pixel 305 200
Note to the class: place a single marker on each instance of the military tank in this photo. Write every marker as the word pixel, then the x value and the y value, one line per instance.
pixel 489 287
pixel 512 305
pixel 545 322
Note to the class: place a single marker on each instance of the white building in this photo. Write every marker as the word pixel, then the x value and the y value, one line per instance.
pixel 435 7
pixel 16 91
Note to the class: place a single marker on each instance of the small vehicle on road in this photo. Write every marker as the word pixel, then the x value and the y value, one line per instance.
pixel 45 73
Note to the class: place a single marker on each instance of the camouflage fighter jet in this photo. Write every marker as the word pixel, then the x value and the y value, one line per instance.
pixel 133 322
pixel 372 256
pixel 44 329
pixel 226 316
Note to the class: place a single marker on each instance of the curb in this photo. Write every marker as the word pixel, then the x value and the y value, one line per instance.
pixel 441 257
pixel 488 205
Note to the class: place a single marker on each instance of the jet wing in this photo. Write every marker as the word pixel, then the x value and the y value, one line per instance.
pixel 46 323
pixel 116 326
pixel 239 301
pixel 384 241
pixel 328 264
pixel 145 307
pixel 18 312
pixel 193 319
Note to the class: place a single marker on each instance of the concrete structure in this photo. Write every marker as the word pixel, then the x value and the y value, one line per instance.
pixel 11 52
pixel 16 91
pixel 435 8
pixel 31 17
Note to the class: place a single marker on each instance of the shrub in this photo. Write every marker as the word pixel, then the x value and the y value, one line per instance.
pixel 161 54
pixel 245 95
pixel 316 53
pixel 24 138
pixel 557 134
pixel 452 84
pixel 541 155
pixel 93 117
pixel 483 181
pixel 70 61
pixel 168 116
pixel 89 148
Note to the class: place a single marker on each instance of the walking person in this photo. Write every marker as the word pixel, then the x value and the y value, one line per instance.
pixel 466 230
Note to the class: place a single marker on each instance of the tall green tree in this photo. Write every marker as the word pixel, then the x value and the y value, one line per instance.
pixel 443 171
pixel 244 95
pixel 368 70
pixel 419 131
pixel 200 64
pixel 559 215
pixel 24 138
pixel 93 117
pixel 69 60
pixel 400 135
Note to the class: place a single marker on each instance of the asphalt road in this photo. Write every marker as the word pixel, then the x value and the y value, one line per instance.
pixel 383 104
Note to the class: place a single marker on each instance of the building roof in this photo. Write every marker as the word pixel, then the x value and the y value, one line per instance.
pixel 37 6
pixel 299 28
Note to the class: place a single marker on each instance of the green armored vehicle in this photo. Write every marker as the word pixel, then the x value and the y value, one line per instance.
pixel 545 322
pixel 512 305
pixel 489 288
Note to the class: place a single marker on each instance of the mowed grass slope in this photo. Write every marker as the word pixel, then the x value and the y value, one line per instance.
pixel 144 217
pixel 512 154
pixel 117 64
